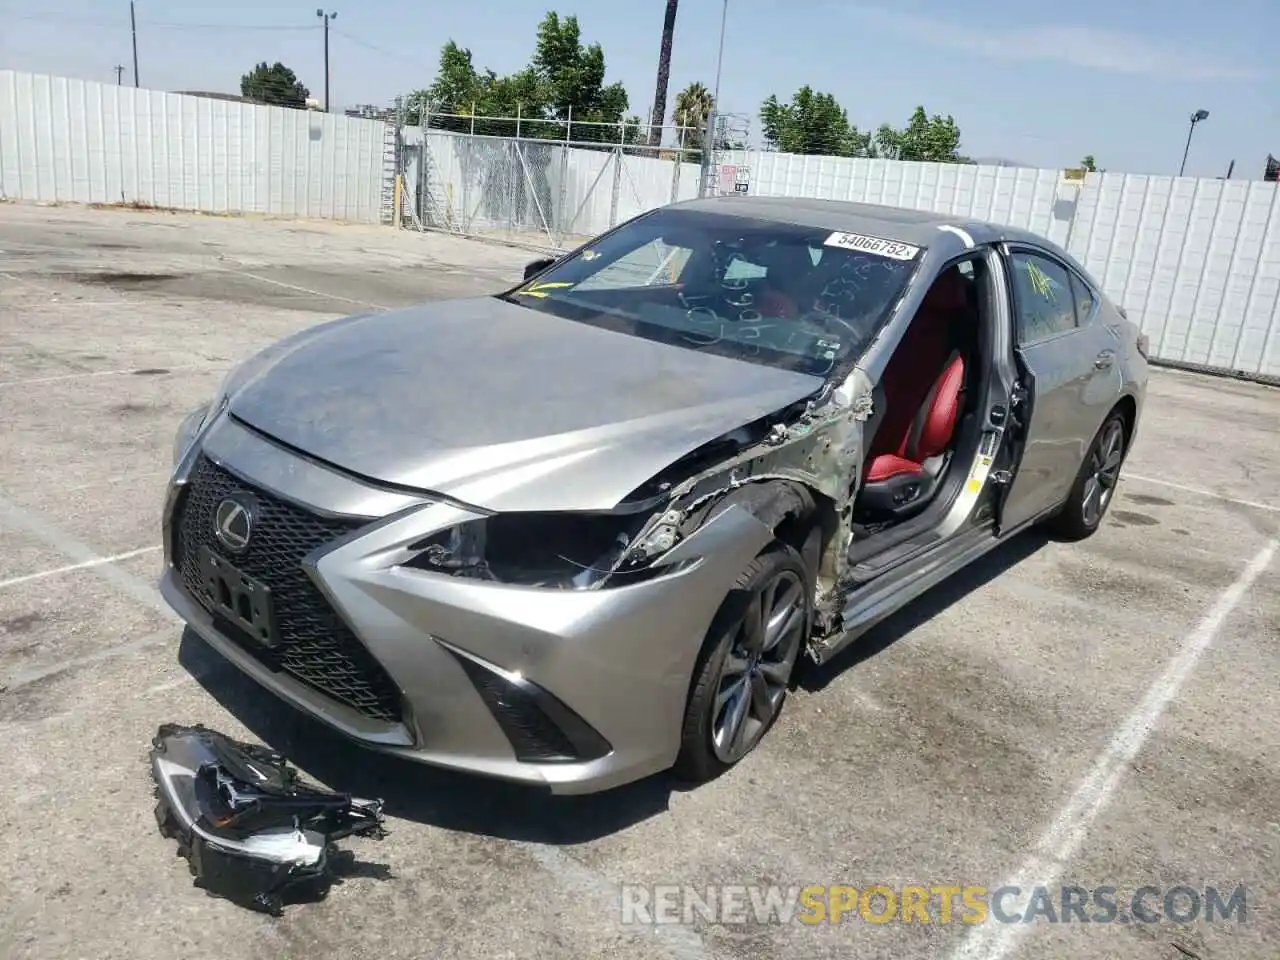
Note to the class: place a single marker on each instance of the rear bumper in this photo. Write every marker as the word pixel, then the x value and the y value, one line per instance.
pixel 576 691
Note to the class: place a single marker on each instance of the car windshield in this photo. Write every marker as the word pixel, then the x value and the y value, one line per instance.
pixel 797 297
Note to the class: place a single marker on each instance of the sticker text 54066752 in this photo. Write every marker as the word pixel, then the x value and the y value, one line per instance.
pixel 877 245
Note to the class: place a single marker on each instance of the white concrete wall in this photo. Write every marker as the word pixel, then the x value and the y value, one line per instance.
pixel 1196 263
pixel 64 140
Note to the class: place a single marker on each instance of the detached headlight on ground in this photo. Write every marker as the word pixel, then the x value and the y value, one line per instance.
pixel 566 551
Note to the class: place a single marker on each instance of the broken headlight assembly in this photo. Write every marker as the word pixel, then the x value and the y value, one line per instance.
pixel 251 828
pixel 565 551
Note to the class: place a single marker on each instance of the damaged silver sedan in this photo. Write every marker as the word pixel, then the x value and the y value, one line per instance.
pixel 583 530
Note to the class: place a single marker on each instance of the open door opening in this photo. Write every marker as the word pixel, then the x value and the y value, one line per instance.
pixel 932 390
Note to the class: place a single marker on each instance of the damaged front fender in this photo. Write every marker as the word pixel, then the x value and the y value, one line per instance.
pixel 809 469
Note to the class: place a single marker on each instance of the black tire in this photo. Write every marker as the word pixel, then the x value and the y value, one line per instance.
pixel 700 759
pixel 1076 521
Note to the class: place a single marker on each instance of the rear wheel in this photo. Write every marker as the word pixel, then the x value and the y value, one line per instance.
pixel 744 669
pixel 1095 485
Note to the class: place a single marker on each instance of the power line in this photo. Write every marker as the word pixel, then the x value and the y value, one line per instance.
pixel 63 19
pixel 416 61
pixel 72 19
pixel 228 26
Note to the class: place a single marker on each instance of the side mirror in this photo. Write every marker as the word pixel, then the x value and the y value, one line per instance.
pixel 534 267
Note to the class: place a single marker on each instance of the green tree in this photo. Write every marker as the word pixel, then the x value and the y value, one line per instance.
pixel 926 139
pixel 1089 164
pixel 664 73
pixel 572 78
pixel 276 85
pixel 812 123
pixel 563 81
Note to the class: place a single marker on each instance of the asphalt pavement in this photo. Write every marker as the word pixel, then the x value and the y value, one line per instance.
pixel 1066 716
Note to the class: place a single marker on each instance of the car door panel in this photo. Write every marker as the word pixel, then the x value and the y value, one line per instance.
pixel 1072 376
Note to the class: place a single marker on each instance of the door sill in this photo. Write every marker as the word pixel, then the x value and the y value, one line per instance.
pixel 896 554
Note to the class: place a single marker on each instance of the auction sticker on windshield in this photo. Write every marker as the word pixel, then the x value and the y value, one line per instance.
pixel 877 245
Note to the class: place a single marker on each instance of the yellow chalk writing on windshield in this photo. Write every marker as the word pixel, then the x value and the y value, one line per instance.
pixel 540 289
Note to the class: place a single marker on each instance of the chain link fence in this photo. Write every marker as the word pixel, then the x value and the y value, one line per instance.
pixel 544 184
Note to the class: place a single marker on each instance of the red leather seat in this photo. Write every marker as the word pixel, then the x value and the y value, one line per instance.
pixel 931 431
pixel 917 362
pixel 923 387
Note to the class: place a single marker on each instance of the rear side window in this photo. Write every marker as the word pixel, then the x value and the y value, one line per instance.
pixel 1044 304
pixel 1086 302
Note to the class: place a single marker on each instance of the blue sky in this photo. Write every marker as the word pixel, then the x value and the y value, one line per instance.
pixel 1043 83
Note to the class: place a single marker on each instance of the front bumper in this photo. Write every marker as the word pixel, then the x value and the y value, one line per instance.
pixel 578 691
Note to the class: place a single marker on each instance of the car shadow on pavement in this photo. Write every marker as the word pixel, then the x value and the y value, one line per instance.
pixel 920 611
pixel 457 801
pixel 413 791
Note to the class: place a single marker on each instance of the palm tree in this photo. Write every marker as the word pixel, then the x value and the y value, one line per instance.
pixel 693 106
pixel 664 74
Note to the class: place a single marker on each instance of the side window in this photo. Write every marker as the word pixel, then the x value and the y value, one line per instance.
pixel 1043 302
pixel 1085 300
pixel 654 264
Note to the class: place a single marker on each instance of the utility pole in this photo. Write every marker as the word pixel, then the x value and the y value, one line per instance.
pixel 326 17
pixel 133 24
pixel 119 69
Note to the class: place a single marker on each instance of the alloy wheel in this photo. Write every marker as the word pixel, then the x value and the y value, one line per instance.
pixel 1103 473
pixel 757 666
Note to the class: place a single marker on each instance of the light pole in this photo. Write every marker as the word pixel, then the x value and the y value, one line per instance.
pixel 724 20
pixel 133 27
pixel 709 141
pixel 1195 118
pixel 326 17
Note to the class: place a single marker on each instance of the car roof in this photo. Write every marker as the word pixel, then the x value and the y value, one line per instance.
pixel 917 227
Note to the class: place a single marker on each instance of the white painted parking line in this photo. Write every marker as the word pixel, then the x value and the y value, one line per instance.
pixel 1200 491
pixel 14 517
pixel 171 684
pixel 144 476
pixel 110 373
pixel 676 940
pixel 1067 831
pixel 72 567
pixel 27 677
pixel 26 283
pixel 308 290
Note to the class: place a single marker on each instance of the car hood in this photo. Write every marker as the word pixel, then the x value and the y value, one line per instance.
pixel 498 405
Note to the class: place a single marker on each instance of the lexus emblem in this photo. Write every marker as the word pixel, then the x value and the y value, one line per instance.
pixel 233 524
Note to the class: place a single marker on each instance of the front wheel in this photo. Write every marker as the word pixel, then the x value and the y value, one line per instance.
pixel 744 670
pixel 1095 485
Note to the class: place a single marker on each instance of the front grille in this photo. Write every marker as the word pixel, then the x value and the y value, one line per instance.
pixel 315 645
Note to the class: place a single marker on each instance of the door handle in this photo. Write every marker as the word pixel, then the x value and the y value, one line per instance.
pixel 1105 359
